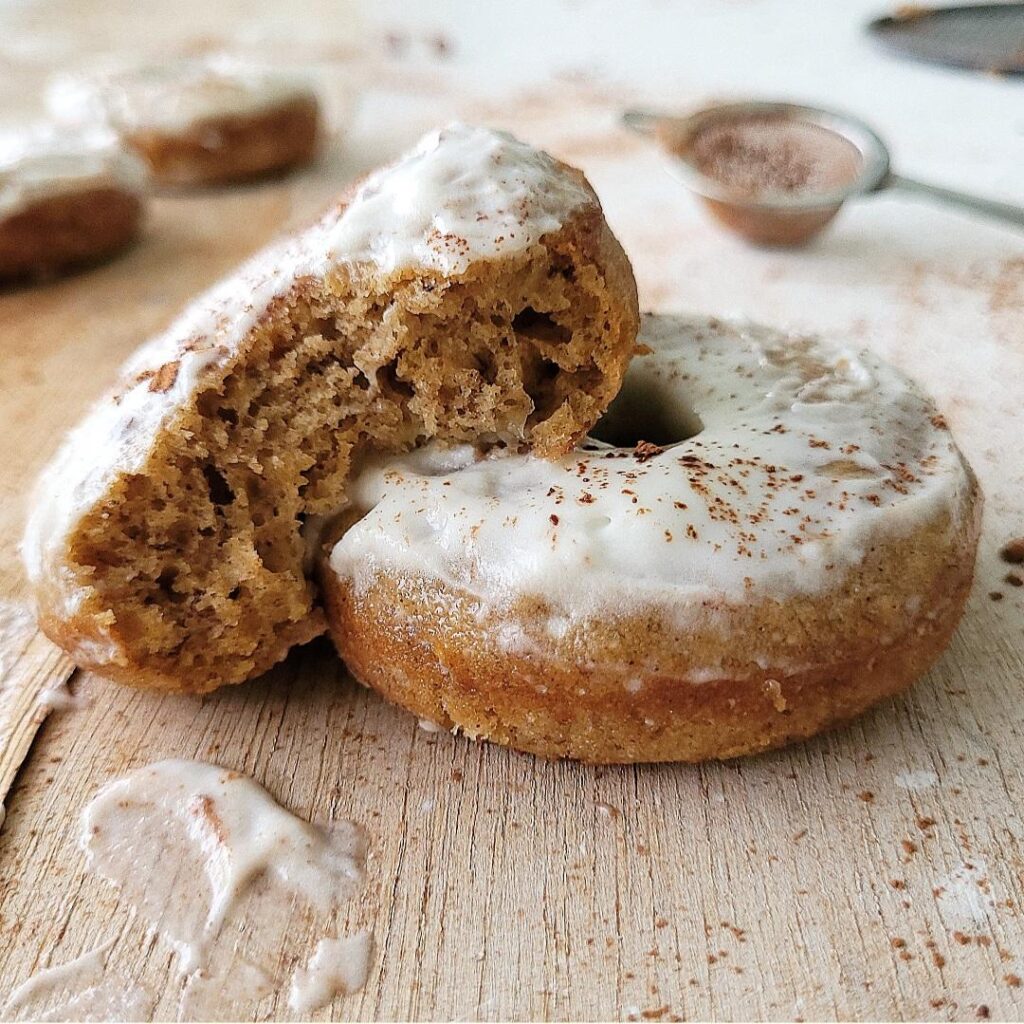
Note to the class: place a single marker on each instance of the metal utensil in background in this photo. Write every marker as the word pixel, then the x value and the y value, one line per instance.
pixel 982 37
pixel 793 218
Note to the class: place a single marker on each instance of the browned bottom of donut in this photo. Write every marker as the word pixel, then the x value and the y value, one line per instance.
pixel 420 644
pixel 235 148
pixel 62 231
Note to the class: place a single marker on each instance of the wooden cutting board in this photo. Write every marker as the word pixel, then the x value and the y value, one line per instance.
pixel 877 872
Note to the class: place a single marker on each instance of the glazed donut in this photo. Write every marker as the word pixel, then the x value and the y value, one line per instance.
pixel 773 534
pixel 64 201
pixel 197 122
pixel 470 292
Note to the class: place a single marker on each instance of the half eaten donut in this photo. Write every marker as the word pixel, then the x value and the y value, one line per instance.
pixel 470 292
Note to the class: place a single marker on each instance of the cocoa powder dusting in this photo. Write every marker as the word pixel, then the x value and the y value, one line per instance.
pixel 163 380
pixel 1013 551
pixel 764 155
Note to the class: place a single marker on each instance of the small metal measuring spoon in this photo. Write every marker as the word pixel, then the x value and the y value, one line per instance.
pixel 792 217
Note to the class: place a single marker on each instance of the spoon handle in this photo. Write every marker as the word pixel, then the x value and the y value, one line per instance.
pixel 1008 212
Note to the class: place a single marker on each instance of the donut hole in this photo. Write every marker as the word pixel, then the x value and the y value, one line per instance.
pixel 646 411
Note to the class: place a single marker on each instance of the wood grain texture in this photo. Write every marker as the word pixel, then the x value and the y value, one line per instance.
pixel 877 872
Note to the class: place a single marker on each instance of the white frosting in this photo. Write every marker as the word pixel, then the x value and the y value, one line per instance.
pixel 463 194
pixel 38 162
pixel 172 96
pixel 193 814
pixel 222 872
pixel 59 697
pixel 113 998
pixel 337 967
pixel 80 990
pixel 749 508
pixel 80 972
pixel 75 977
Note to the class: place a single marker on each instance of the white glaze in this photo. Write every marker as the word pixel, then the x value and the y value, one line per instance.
pixel 112 999
pixel 337 967
pixel 173 95
pixel 599 533
pixel 60 698
pixel 38 162
pixel 496 194
pixel 81 990
pixel 187 813
pixel 462 194
pixel 161 832
pixel 81 972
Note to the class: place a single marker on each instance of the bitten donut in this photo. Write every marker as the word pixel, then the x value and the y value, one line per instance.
pixel 64 201
pixel 775 534
pixel 472 291
pixel 198 122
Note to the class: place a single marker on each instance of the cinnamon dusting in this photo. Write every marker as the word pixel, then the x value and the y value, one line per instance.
pixel 163 379
pixel 1013 551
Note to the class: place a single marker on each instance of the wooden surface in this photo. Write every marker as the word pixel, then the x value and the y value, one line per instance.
pixel 811 883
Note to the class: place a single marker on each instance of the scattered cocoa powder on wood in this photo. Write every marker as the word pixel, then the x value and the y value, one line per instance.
pixel 1013 551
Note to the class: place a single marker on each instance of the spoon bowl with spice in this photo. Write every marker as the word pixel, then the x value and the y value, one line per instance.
pixel 777 173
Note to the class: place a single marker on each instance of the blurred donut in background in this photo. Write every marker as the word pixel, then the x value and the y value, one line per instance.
pixel 66 199
pixel 203 121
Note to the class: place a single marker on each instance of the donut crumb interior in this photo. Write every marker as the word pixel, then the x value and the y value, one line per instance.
pixel 198 562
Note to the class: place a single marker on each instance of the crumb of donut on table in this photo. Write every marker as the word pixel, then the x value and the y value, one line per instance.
pixel 799 547
pixel 174 545
pixel 65 200
pixel 201 121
